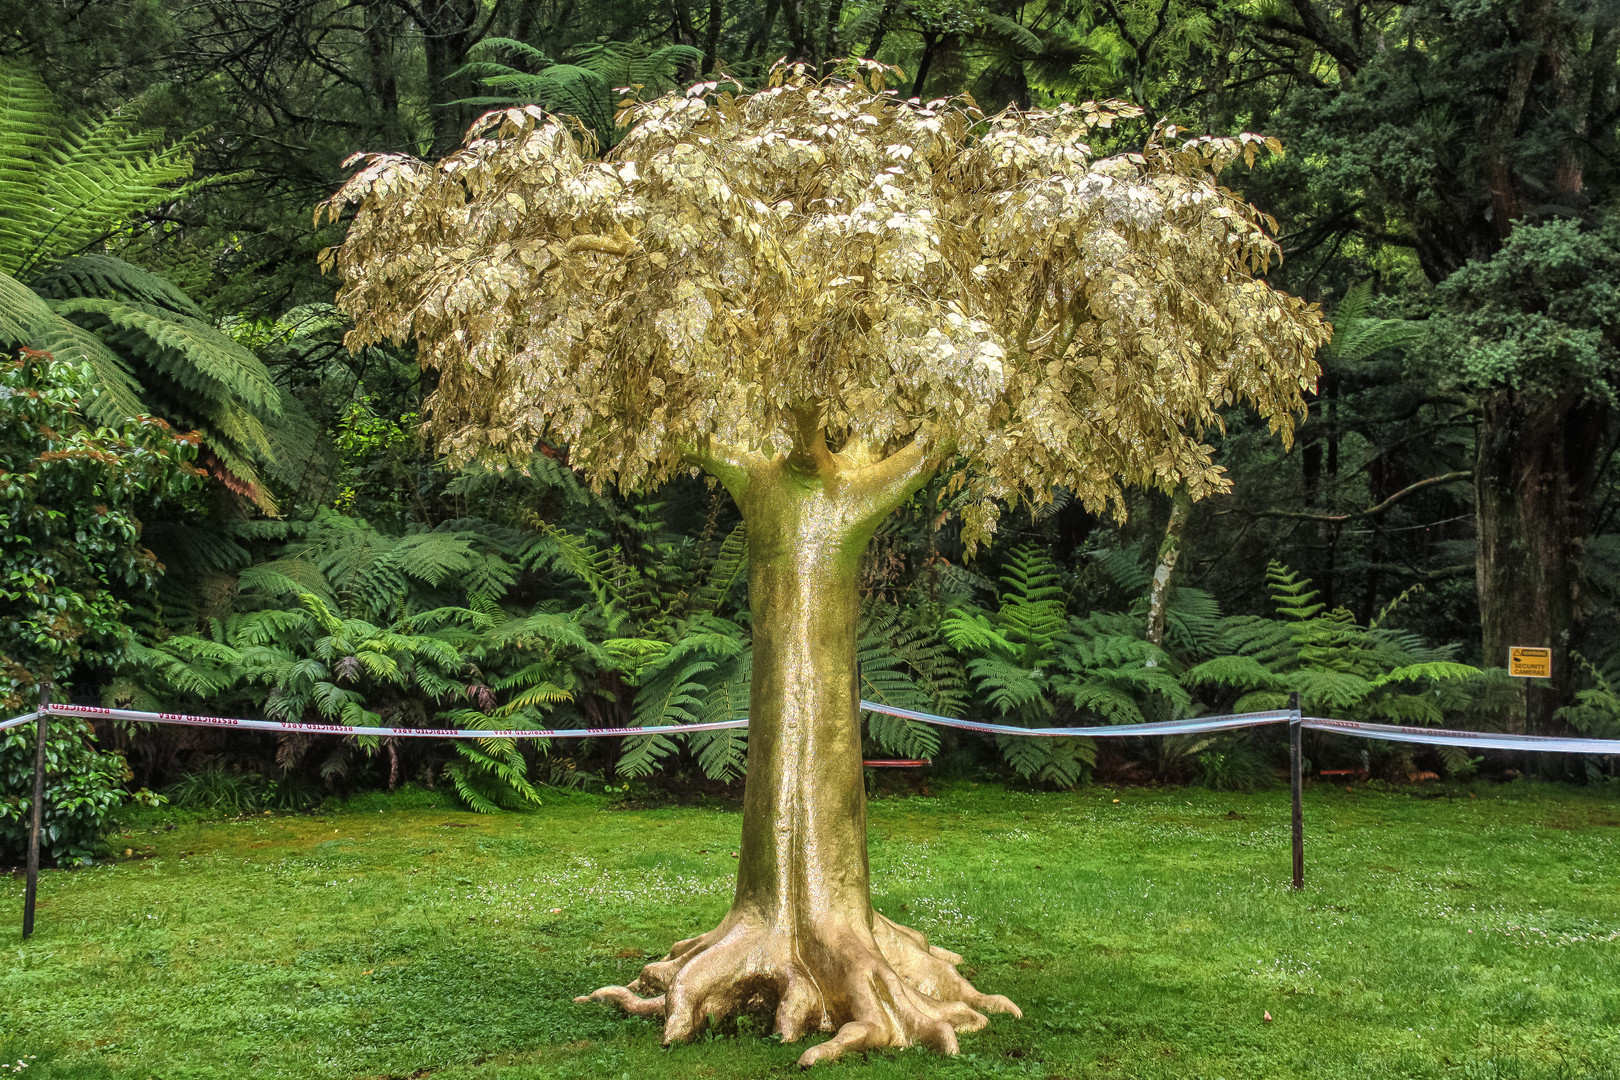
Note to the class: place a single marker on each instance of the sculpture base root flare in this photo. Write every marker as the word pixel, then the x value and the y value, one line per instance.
pixel 876 987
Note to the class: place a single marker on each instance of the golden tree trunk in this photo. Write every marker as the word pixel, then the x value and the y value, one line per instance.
pixel 801 941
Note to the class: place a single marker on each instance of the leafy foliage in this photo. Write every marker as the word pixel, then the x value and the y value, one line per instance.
pixel 68 495
pixel 84 786
pixel 70 185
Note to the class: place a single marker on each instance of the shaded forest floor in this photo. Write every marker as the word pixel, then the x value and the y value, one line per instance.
pixel 1456 936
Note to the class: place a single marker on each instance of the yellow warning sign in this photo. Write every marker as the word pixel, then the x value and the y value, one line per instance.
pixel 1528 663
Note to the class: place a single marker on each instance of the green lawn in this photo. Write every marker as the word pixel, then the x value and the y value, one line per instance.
pixel 1437 937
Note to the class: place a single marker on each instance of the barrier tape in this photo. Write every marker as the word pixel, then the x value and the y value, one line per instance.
pixel 1198 725
pixel 1195 726
pixel 1485 740
pixel 189 720
pixel 18 721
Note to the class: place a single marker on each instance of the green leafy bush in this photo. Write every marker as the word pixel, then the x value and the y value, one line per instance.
pixel 83 787
pixel 67 492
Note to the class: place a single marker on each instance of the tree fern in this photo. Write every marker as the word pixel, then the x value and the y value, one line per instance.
pixel 1023 664
pixel 69 185
pixel 1358 335
pixel 1337 666
pixel 584 89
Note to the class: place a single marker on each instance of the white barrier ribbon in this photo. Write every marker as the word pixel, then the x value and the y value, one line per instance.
pixel 189 720
pixel 1485 740
pixel 18 721
pixel 1194 726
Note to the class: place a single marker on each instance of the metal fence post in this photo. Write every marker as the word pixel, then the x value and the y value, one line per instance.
pixel 1296 781
pixel 36 810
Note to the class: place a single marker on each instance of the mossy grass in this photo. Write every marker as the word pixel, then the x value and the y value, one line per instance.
pixel 1468 934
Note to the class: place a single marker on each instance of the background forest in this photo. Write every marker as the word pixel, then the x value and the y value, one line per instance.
pixel 209 504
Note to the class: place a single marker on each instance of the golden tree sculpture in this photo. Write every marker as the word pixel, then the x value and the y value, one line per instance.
pixel 820 294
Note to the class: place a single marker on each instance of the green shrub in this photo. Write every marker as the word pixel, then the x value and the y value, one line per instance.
pixel 234 792
pixel 83 787
pixel 220 789
pixel 1231 763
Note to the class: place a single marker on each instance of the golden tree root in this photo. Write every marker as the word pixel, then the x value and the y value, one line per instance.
pixel 872 988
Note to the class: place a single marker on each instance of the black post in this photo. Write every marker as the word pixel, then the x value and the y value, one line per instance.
pixel 36 809
pixel 1297 782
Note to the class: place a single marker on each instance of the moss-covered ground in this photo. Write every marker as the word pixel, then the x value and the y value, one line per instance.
pixel 1146 933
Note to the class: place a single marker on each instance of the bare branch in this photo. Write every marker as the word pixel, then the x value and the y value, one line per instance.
pixel 1446 478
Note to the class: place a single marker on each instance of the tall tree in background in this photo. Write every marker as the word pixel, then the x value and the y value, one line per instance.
pixel 820 296
pixel 1482 140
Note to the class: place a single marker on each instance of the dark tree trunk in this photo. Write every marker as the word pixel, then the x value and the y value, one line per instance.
pixel 1535 469
pixel 382 32
pixel 1310 463
pixel 831 48
pixel 711 36
pixel 762 38
pixel 449 30
pixel 882 30
pixel 930 42
pixel 794 18
pixel 685 32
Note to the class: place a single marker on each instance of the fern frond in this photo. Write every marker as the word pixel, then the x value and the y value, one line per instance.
pixel 969 630
pixel 1409 709
pixel 600 572
pixel 1012 32
pixel 723 754
pixel 1026 756
pixel 1356 335
pixel 1236 672
pixel 1126 567
pixel 100 276
pixel 1068 761
pixel 1106 701
pixel 467 787
pixel 28 319
pixel 69 185
pixel 1291 594
pixel 729 567
pixel 1010 688
pixel 630 64
pixel 1433 670
pixel 1320 688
